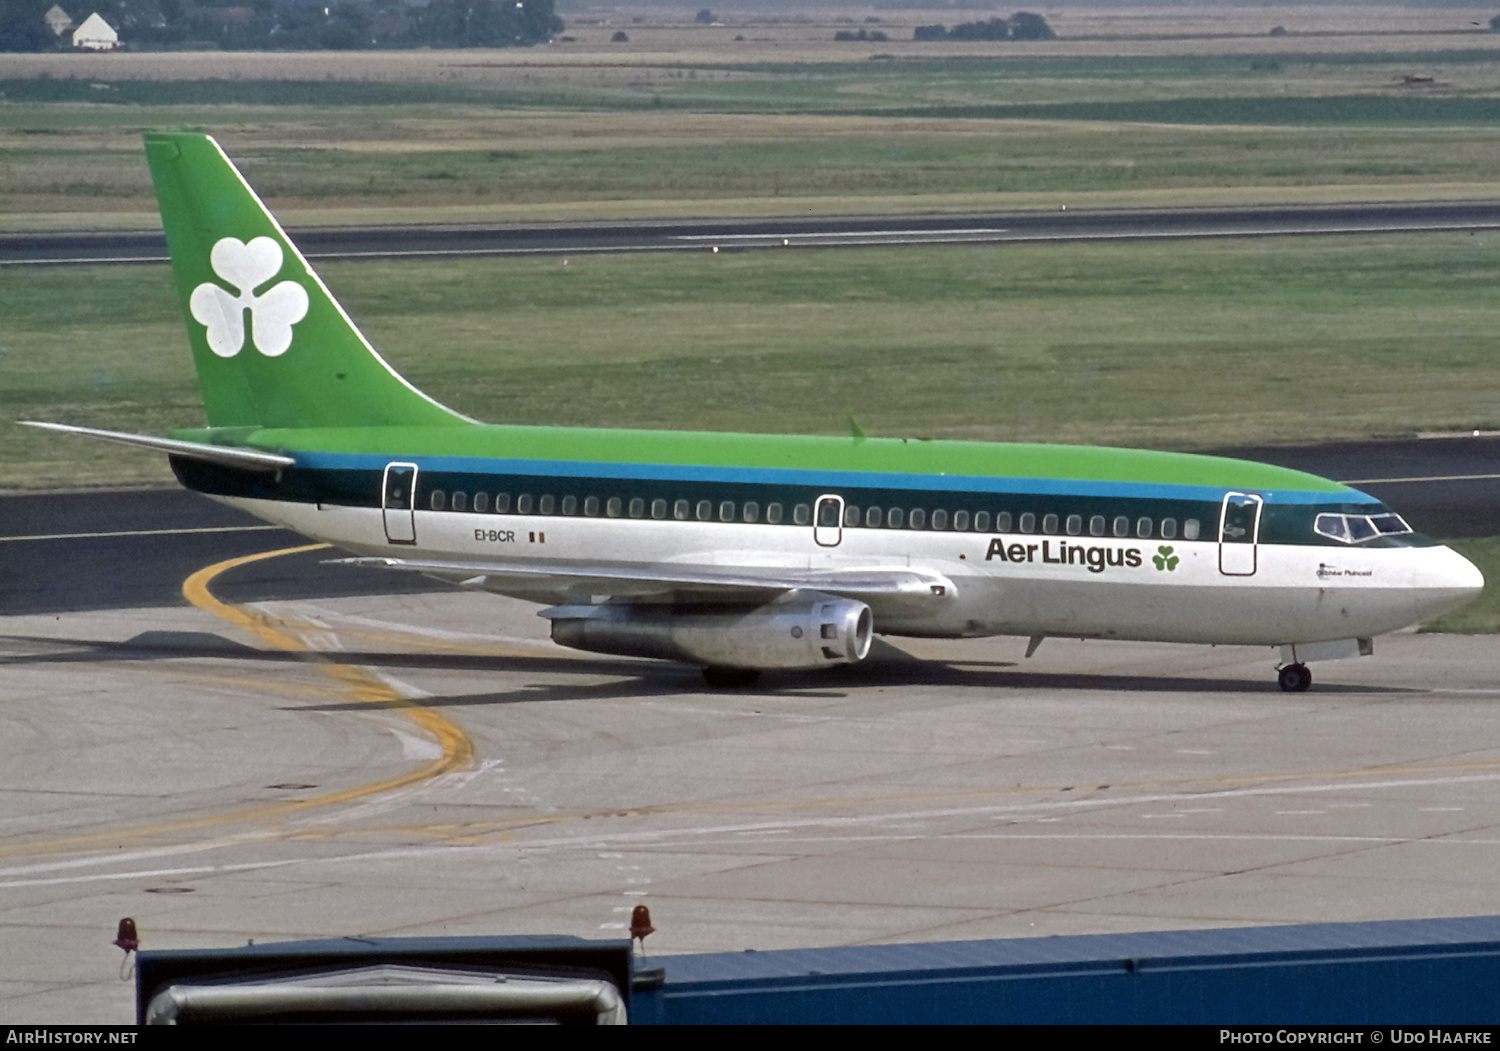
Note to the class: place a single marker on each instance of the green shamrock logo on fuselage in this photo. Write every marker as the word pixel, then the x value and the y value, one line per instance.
pixel 1164 558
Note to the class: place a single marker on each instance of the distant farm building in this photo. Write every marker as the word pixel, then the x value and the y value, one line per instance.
pixel 95 35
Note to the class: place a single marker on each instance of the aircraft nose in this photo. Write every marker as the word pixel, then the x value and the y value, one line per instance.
pixel 1445 581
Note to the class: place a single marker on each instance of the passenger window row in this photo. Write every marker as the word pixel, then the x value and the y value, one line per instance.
pixel 961 521
pixel 750 511
pixel 619 507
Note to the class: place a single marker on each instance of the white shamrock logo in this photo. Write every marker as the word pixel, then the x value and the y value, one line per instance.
pixel 246 267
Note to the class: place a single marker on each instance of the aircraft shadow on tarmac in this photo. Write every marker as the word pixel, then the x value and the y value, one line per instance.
pixel 892 668
pixel 148 645
pixel 660 681
pixel 887 667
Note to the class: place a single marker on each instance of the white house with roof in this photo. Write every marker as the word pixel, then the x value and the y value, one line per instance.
pixel 95 35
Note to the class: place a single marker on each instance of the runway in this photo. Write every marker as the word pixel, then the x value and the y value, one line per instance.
pixel 459 240
pixel 297 752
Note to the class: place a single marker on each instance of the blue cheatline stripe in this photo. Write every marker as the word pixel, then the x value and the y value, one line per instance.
pixel 830 480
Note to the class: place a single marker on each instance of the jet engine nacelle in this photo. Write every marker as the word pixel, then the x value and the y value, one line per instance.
pixel 801 629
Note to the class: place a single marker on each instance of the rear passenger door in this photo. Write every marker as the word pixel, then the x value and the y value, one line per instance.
pixel 398 503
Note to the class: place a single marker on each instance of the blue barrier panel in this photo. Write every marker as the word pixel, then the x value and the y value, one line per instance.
pixel 1398 972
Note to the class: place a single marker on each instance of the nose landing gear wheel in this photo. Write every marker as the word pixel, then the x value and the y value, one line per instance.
pixel 1294 678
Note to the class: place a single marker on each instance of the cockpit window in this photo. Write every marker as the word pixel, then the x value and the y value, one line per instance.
pixel 1389 524
pixel 1354 529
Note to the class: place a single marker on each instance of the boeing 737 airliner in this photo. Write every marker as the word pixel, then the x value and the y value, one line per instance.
pixel 744 552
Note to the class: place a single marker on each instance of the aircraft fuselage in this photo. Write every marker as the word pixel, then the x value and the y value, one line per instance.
pixel 1147 549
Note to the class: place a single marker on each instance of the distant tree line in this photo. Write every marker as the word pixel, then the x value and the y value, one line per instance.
pixel 846 35
pixel 1023 25
pixel 290 24
pixel 487 23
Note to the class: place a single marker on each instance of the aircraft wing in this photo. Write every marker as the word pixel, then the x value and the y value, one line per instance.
pixel 656 578
pixel 225 455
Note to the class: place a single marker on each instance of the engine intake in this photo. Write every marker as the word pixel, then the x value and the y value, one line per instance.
pixel 800 629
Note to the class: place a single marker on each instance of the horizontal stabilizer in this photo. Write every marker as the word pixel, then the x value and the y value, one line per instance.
pixel 619 580
pixel 224 455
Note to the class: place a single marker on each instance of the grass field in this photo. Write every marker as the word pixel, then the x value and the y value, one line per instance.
pixel 1186 345
pixel 548 127
pixel 1181 345
pixel 805 157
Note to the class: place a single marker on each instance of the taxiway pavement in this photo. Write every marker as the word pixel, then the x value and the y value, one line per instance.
pixel 433 765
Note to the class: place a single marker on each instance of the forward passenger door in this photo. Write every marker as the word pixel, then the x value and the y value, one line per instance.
pixel 1239 533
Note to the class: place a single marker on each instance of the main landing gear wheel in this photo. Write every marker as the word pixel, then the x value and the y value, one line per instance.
pixel 1294 678
pixel 730 678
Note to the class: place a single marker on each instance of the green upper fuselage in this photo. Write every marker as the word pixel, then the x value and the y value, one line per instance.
pixel 737 453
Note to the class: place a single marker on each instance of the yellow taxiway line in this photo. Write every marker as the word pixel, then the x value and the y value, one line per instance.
pixel 360 683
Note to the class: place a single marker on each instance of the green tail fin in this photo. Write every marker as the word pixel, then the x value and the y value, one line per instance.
pixel 271 345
